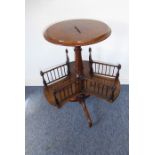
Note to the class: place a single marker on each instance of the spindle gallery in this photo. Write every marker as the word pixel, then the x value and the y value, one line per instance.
pixel 76 81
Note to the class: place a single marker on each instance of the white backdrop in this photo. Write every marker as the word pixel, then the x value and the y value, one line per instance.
pixel 40 54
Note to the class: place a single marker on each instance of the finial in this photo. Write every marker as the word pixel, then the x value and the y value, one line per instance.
pixel 119 66
pixel 67 58
pixel 41 73
pixel 66 50
pixel 90 56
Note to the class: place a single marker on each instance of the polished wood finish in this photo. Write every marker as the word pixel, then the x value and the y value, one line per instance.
pixel 76 81
pixel 68 87
pixel 77 32
pixel 78 62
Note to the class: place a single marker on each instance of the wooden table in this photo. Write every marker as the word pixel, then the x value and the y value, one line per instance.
pixel 75 81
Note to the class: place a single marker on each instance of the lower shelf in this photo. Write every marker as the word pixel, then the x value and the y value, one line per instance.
pixel 67 87
pixel 104 88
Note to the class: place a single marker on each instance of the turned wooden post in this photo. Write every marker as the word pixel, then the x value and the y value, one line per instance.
pixel 67 61
pixel 116 78
pixel 44 82
pixel 79 67
pixel 90 62
pixel 119 67
pixel 78 62
pixel 56 100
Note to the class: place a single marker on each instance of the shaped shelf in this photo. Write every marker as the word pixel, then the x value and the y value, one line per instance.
pixel 99 79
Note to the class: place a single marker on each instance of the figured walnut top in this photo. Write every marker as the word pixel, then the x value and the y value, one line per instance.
pixel 77 32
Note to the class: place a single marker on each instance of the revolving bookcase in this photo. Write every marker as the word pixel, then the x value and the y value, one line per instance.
pixel 76 81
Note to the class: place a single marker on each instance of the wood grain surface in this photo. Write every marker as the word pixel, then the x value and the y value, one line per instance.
pixel 77 32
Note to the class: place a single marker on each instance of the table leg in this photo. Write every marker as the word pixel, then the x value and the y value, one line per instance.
pixel 86 112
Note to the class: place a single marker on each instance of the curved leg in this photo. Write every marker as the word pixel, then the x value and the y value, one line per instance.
pixel 86 112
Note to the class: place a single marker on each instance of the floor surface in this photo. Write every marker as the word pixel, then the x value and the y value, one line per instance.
pixel 52 131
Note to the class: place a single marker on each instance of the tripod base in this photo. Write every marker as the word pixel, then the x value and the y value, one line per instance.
pixel 81 99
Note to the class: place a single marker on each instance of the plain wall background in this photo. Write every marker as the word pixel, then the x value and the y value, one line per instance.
pixel 41 55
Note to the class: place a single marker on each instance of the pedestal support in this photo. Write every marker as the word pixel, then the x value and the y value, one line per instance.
pixel 80 77
pixel 78 62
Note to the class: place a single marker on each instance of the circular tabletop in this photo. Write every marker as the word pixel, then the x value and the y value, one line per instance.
pixel 77 32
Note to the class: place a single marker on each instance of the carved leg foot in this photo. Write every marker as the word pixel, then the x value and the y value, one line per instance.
pixel 86 112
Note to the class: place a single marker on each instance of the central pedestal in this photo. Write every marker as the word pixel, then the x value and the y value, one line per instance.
pixel 78 62
pixel 80 76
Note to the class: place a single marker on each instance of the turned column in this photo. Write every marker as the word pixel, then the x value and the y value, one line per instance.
pixel 78 62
